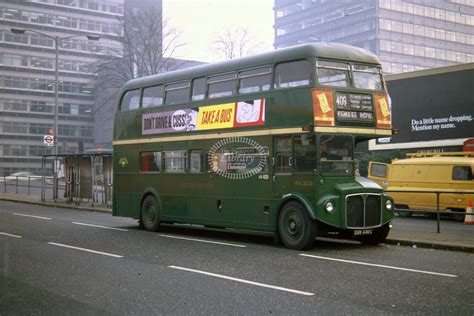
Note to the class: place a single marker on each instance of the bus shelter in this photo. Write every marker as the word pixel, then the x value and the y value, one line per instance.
pixel 78 178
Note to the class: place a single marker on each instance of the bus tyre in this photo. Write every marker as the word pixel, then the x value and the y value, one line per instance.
pixel 458 217
pixel 378 236
pixel 295 228
pixel 401 211
pixel 150 214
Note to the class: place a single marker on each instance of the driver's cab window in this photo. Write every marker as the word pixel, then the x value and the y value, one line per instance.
pixel 336 155
pixel 334 147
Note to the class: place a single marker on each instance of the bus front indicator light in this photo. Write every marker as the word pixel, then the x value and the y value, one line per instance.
pixel 388 205
pixel 329 207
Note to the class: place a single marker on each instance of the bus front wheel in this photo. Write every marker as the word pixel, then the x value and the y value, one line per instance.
pixel 296 229
pixel 150 214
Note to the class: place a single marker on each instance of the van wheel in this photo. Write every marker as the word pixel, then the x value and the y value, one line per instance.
pixel 400 210
pixel 150 214
pixel 295 228
pixel 458 217
pixel 378 236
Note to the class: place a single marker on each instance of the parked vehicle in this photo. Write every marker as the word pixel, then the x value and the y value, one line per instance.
pixel 427 171
pixel 21 176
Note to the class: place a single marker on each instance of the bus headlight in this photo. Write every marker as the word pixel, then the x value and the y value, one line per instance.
pixel 388 205
pixel 329 207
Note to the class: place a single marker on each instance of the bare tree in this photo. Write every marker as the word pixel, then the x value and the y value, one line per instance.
pixel 236 42
pixel 145 46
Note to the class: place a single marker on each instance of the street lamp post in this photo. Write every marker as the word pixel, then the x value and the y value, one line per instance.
pixel 56 40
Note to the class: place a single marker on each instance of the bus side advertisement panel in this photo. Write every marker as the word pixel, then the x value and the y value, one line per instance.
pixel 323 107
pixel 220 116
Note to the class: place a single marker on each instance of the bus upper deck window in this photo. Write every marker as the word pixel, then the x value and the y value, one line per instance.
pixel 131 100
pixel 367 77
pixel 255 80
pixel 332 73
pixel 177 92
pixel 152 96
pixel 222 85
pixel 199 89
pixel 292 74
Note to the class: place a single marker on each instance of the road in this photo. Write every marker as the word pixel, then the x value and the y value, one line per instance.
pixel 55 261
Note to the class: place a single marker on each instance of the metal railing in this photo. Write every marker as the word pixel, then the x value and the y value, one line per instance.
pixel 29 185
pixel 438 211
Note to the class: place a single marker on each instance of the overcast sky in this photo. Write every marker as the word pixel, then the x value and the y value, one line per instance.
pixel 199 21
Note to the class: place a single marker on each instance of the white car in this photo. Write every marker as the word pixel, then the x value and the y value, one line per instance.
pixel 21 176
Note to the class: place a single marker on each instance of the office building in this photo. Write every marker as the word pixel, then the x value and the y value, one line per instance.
pixel 407 35
pixel 27 75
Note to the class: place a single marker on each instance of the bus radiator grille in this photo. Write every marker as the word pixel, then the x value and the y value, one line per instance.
pixel 363 210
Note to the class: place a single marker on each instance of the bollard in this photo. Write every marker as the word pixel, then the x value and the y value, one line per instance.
pixel 437 212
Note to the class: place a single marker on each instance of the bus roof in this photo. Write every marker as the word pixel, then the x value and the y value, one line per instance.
pixel 437 160
pixel 334 51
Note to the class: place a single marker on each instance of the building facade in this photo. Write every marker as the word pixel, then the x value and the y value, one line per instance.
pixel 27 75
pixel 407 35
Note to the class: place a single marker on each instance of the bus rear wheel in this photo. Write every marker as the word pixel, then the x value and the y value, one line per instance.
pixel 296 229
pixel 150 214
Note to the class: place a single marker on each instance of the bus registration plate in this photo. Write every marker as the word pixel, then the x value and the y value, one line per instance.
pixel 361 232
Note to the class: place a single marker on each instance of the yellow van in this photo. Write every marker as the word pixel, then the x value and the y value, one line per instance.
pixel 427 172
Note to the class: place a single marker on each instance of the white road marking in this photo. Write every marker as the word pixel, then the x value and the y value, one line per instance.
pixel 380 266
pixel 34 216
pixel 202 240
pixel 10 235
pixel 244 281
pixel 84 249
pixel 100 226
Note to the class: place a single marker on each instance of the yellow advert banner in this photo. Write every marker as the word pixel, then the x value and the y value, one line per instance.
pixel 216 116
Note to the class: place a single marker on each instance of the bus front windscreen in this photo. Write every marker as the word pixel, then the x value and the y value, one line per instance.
pixel 336 155
pixel 367 77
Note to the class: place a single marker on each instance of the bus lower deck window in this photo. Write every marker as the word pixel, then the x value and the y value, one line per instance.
pixel 150 161
pixel 175 161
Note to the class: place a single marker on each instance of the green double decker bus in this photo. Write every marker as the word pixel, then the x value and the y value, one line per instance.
pixel 261 143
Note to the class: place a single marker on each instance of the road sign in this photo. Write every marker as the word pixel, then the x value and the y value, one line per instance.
pixel 48 140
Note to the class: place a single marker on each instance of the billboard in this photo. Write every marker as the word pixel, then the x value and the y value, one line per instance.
pixel 430 108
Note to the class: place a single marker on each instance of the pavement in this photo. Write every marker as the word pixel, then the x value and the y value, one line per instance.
pixel 399 234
